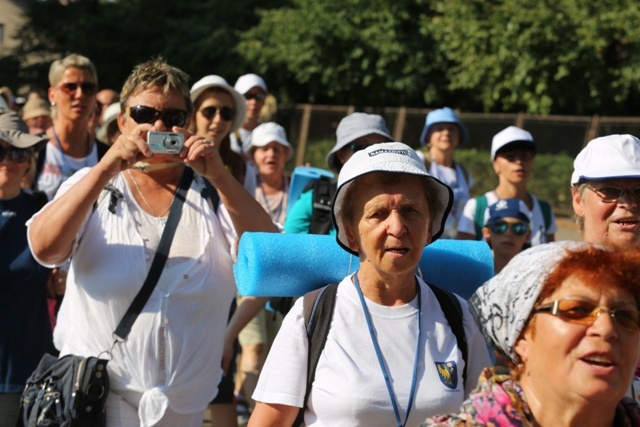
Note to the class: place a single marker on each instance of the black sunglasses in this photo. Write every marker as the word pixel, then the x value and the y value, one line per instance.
pixel 611 194
pixel 257 96
pixel 88 88
pixel 18 155
pixel 170 117
pixel 226 113
pixel 500 227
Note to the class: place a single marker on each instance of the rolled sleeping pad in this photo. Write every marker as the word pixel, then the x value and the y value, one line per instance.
pixel 277 264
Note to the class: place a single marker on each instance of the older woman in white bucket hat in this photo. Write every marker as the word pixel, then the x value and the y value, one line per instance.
pixel 390 357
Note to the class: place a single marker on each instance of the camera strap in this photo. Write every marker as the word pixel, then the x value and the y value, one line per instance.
pixel 124 327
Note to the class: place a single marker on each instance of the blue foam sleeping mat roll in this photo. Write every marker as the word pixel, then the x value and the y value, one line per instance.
pixel 274 264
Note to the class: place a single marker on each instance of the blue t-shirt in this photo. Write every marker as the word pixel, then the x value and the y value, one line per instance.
pixel 25 330
pixel 299 217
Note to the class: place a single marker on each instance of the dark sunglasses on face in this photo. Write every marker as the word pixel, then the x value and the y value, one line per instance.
pixel 88 88
pixel 226 113
pixel 585 313
pixel 611 194
pixel 519 228
pixel 18 155
pixel 257 96
pixel 170 117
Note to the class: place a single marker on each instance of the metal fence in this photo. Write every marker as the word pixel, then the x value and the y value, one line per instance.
pixel 307 124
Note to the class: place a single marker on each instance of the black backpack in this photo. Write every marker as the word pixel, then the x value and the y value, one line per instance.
pixel 318 306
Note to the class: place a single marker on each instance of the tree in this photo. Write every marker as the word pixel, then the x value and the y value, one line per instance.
pixel 543 56
pixel 359 52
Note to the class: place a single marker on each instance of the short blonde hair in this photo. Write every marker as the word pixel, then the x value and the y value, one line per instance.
pixel 156 73
pixel 57 68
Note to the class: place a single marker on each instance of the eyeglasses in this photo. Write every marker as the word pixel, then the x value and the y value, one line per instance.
pixel 226 113
pixel 500 227
pixel 257 96
pixel 170 117
pixel 18 155
pixel 585 313
pixel 88 88
pixel 611 194
pixel 356 147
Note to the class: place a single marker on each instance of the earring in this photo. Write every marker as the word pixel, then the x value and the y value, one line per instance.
pixel 53 104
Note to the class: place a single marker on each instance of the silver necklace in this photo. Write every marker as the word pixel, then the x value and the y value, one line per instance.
pixel 144 199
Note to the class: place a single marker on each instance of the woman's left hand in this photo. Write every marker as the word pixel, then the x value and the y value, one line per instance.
pixel 201 154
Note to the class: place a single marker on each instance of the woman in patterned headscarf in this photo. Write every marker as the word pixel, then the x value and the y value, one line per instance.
pixel 565 318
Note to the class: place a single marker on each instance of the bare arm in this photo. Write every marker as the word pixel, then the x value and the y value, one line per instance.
pixel 247 309
pixel 273 415
pixel 465 236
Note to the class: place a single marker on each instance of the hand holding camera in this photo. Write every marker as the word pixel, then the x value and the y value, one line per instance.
pixel 165 142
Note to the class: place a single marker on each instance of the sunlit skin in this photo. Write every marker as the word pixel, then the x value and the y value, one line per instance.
pixel 76 107
pixel 38 124
pixel 568 367
pixel 215 129
pixel 11 174
pixel 514 166
pixel 253 106
pixel 390 227
pixel 616 224
pixel 443 139
pixel 505 246
pixel 270 158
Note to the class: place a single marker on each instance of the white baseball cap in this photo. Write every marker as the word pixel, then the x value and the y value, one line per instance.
pixel 608 157
pixel 248 81
pixel 394 157
pixel 269 132
pixel 108 116
pixel 214 81
pixel 511 135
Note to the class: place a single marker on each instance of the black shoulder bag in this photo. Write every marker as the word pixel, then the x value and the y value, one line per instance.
pixel 72 390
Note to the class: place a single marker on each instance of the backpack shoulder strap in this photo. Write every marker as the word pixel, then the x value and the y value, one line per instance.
pixel 318 306
pixel 478 219
pixel 453 313
pixel 545 207
pixel 208 191
pixel 323 192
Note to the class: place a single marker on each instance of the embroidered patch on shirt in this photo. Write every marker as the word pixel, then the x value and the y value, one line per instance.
pixel 448 373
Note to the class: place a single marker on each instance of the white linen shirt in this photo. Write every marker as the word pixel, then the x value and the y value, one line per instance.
pixel 182 323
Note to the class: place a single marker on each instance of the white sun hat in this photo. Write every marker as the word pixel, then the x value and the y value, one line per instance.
pixel 608 157
pixel 394 157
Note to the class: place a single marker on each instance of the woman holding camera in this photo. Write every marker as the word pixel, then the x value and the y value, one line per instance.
pixel 166 371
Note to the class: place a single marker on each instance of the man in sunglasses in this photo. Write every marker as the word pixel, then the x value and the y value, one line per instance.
pixel 507 230
pixel 167 370
pixel 605 188
pixel 254 90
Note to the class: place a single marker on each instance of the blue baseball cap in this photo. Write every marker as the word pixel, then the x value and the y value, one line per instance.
pixel 509 208
pixel 443 115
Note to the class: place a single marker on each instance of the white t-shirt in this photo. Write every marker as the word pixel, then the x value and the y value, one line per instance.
pixel 349 387
pixel 58 167
pixel 182 324
pixel 241 147
pixel 538 234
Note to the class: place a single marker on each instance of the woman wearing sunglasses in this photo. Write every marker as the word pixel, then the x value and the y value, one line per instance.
pixel 167 370
pixel 566 316
pixel 507 230
pixel 254 90
pixel 25 332
pixel 74 84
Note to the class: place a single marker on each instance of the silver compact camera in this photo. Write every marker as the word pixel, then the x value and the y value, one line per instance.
pixel 165 142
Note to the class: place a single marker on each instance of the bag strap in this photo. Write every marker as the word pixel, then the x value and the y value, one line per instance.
pixel 452 310
pixel 478 219
pixel 545 207
pixel 318 306
pixel 124 327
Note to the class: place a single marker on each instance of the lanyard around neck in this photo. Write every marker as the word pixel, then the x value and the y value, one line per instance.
pixel 66 169
pixel 385 373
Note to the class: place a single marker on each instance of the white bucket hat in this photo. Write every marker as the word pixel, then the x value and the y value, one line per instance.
pixel 270 132
pixel 394 157
pixel 608 157
pixel 511 135
pixel 213 81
